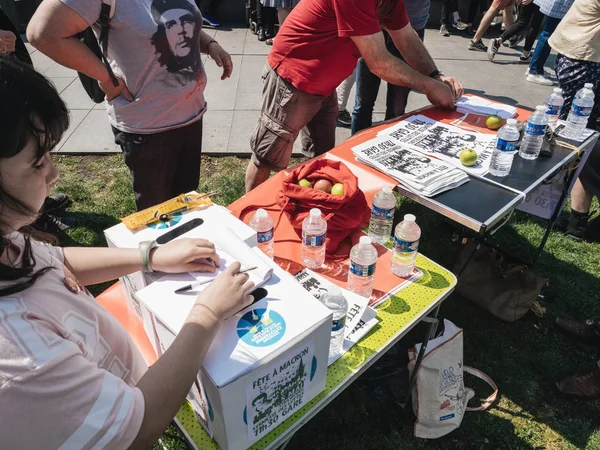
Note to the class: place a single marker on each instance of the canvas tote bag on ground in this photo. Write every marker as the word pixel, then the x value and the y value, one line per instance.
pixel 440 397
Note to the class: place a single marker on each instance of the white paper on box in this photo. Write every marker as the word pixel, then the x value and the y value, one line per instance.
pixel 278 390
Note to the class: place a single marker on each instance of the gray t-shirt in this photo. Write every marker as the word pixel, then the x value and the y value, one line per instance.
pixel 154 45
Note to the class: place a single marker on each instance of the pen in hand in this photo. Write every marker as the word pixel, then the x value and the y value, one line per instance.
pixel 194 285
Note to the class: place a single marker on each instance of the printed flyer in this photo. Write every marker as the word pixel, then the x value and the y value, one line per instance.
pixel 276 392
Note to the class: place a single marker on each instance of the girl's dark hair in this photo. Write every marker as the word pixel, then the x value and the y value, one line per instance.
pixel 30 108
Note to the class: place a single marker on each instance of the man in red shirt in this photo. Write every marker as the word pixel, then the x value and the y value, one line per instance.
pixel 315 50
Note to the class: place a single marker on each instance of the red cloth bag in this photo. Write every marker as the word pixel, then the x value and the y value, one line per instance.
pixel 344 214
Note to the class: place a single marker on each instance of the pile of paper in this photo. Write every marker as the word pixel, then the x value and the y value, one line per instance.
pixel 442 141
pixel 360 318
pixel 482 107
pixel 415 171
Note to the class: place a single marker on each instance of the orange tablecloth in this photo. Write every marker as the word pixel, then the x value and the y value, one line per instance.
pixel 370 181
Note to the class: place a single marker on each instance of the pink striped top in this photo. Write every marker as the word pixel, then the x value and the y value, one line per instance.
pixel 67 367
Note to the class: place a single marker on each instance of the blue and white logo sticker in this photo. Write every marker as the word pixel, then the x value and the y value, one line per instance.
pixel 261 327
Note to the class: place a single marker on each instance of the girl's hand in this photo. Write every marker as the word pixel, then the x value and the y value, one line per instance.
pixel 226 295
pixel 185 255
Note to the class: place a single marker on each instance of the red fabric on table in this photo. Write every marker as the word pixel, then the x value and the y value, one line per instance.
pixel 344 214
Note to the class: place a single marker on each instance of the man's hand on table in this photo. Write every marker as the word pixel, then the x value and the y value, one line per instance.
pixel 440 94
pixel 453 84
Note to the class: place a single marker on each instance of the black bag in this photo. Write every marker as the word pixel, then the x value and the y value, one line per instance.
pixel 88 37
pixel 499 283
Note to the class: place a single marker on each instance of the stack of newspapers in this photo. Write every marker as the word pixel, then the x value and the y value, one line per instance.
pixel 415 171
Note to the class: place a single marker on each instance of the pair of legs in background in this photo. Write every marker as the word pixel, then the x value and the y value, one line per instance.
pixel 572 75
pixel 541 53
pixel 530 19
pixel 367 88
pixel 287 112
pixel 497 5
pixel 450 17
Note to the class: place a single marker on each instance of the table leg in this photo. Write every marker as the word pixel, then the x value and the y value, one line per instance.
pixel 430 334
pixel 554 217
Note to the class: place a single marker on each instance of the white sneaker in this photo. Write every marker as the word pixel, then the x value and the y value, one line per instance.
pixel 527 72
pixel 539 79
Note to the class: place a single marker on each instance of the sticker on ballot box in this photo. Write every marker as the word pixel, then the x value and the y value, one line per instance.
pixel 276 392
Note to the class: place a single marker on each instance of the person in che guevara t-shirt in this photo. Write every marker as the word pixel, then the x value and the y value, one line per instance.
pixel 154 47
pixel 315 50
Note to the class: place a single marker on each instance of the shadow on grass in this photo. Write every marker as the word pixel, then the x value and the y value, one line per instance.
pixel 524 358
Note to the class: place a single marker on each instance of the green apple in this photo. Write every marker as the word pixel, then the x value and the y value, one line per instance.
pixel 493 122
pixel 305 183
pixel 468 157
pixel 338 189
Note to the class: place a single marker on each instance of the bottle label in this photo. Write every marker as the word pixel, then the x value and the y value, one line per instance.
pixel 313 241
pixel 264 236
pixel 362 271
pixel 552 110
pixel 535 130
pixel 581 111
pixel 339 324
pixel 383 214
pixel 506 146
pixel 405 246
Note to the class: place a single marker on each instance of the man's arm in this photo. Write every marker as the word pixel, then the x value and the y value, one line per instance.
pixel 414 52
pixel 393 70
pixel 52 29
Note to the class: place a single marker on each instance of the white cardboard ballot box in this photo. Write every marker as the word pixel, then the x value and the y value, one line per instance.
pixel 264 364
pixel 215 218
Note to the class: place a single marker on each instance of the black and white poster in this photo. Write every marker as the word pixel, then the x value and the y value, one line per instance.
pixel 280 389
pixel 442 141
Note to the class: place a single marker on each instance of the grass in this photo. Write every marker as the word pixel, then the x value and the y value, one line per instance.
pixel 525 358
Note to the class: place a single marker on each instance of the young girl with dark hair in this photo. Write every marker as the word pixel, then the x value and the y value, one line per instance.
pixel 70 376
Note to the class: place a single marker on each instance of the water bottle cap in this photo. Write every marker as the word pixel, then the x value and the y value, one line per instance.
pixel 261 214
pixel 540 108
pixel 589 85
pixel 334 291
pixel 512 122
pixel 315 212
pixel 557 90
pixel 365 240
pixel 386 190
pixel 410 218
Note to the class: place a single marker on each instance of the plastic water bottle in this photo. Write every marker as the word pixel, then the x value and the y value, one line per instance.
pixel 382 215
pixel 338 305
pixel 314 232
pixel 406 244
pixel 554 104
pixel 363 258
pixel 262 223
pixel 581 108
pixel 506 147
pixel 534 134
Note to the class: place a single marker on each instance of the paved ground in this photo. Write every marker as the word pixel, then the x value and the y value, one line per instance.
pixel 234 103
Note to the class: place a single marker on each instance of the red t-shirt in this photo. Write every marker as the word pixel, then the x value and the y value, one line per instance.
pixel 313 49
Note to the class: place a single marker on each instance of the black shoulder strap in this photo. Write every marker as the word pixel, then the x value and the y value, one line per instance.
pixel 104 22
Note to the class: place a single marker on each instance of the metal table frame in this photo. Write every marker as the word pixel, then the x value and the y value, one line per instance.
pixel 284 439
pixel 484 228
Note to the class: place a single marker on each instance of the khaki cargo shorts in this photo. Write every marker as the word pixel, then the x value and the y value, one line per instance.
pixel 285 112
